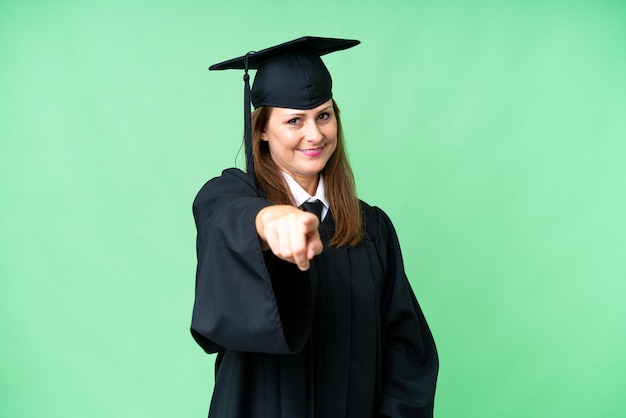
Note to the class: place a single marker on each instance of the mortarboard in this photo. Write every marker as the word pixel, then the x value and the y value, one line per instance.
pixel 290 75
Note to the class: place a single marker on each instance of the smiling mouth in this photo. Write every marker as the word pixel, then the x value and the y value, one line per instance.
pixel 312 152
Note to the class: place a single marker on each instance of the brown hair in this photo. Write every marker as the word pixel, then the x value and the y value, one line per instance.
pixel 338 181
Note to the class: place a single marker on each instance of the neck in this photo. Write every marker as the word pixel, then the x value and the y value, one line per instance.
pixel 309 184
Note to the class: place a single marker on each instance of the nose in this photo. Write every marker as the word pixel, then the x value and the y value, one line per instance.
pixel 312 132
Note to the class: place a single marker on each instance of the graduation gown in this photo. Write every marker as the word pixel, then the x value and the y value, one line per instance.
pixel 345 339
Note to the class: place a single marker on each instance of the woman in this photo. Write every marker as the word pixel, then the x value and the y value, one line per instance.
pixel 311 314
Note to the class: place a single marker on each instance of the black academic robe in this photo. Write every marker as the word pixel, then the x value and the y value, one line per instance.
pixel 346 339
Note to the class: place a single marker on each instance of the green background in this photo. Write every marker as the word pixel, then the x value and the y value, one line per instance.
pixel 492 132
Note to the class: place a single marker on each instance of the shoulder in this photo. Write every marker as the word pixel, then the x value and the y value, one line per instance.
pixel 232 181
pixel 233 195
pixel 376 222
pixel 229 178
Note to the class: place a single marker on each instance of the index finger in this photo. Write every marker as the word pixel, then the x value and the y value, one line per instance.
pixel 310 222
pixel 298 240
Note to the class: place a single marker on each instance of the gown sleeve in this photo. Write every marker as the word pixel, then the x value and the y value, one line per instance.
pixel 410 361
pixel 241 301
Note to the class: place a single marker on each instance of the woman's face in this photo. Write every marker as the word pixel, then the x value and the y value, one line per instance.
pixel 302 141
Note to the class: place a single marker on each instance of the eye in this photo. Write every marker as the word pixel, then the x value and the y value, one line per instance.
pixel 293 121
pixel 324 116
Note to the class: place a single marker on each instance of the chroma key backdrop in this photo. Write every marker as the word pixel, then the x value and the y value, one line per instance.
pixel 492 133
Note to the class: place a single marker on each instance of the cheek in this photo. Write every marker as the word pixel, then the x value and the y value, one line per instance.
pixel 274 140
pixel 331 130
pixel 279 145
pixel 273 147
pixel 333 147
pixel 282 138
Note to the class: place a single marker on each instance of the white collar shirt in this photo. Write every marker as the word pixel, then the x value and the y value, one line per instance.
pixel 300 195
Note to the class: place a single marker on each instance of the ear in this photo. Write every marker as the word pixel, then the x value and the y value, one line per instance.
pixel 263 137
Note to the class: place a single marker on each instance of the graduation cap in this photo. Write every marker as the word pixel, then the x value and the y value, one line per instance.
pixel 290 75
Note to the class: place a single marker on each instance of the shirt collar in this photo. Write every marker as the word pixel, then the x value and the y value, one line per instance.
pixel 300 195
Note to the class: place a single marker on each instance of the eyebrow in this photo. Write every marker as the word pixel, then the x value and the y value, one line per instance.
pixel 326 109
pixel 292 114
pixel 300 113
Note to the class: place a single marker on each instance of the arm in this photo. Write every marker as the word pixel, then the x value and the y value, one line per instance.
pixel 241 291
pixel 410 361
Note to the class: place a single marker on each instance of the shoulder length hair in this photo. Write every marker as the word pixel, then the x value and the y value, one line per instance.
pixel 338 181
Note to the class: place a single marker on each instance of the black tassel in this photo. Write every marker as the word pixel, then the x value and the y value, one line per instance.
pixel 247 114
